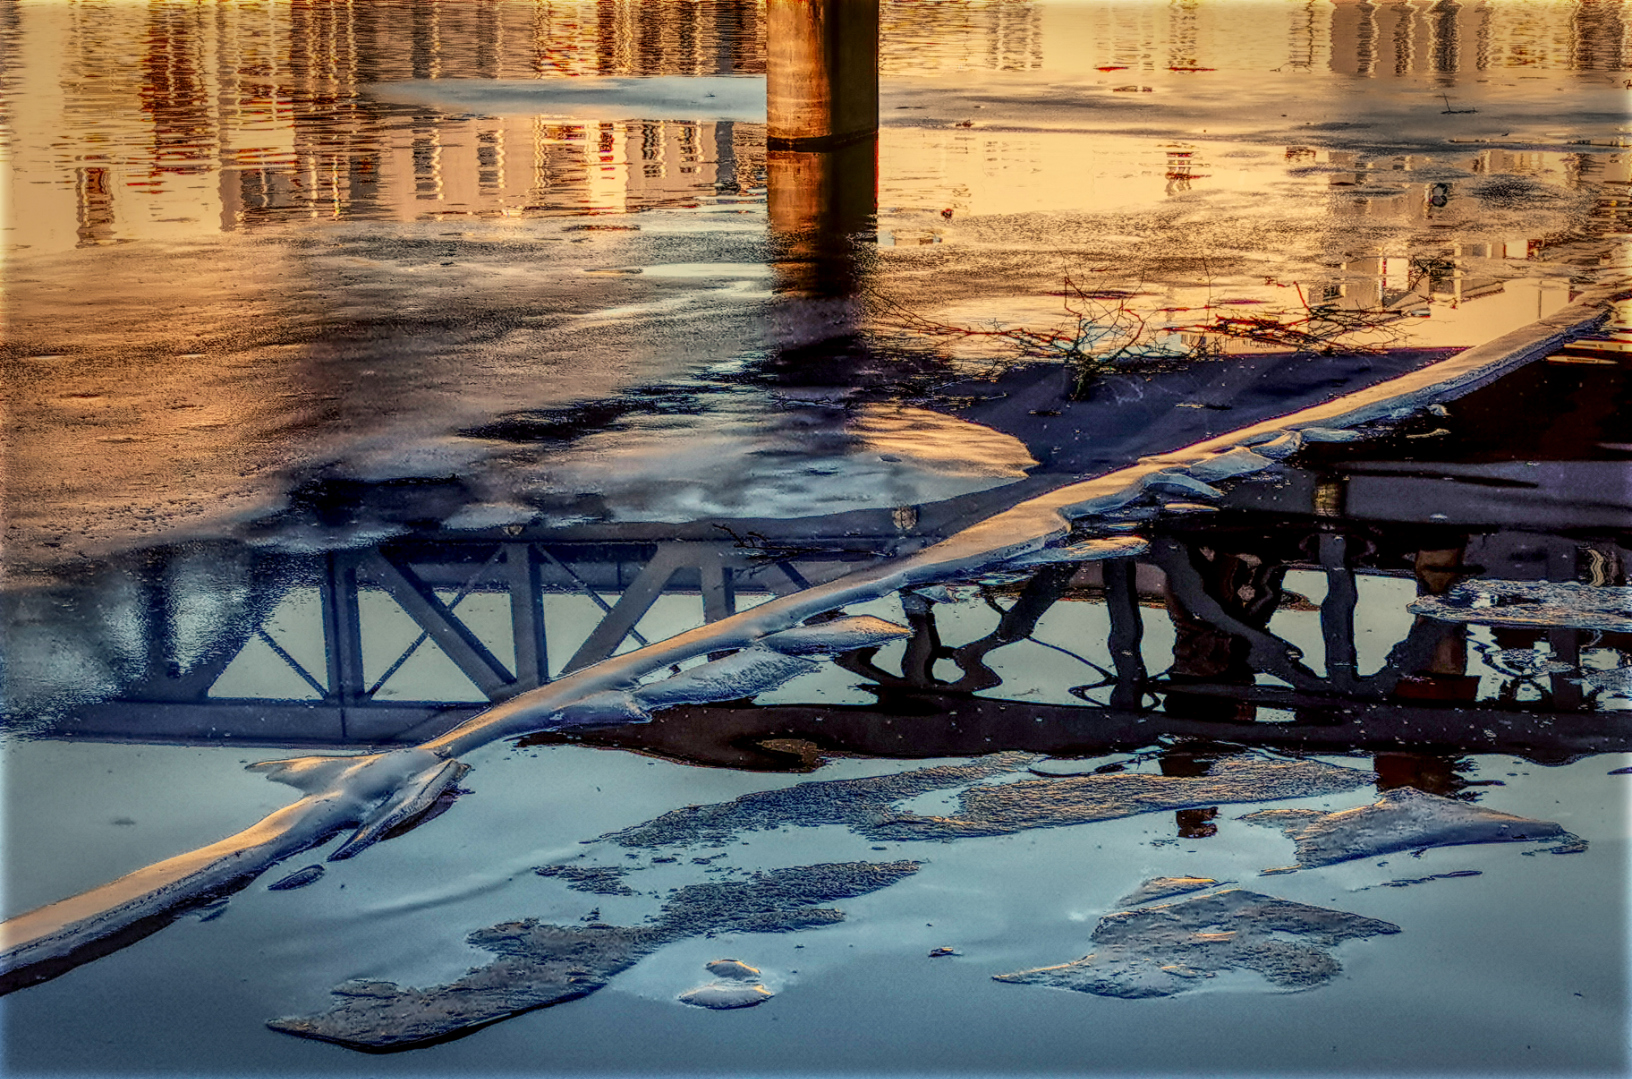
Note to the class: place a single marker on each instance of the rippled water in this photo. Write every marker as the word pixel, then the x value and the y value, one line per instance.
pixel 366 362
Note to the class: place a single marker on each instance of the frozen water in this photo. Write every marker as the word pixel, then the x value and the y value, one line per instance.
pixel 1006 808
pixel 1530 662
pixel 1165 888
pixel 856 803
pixel 869 806
pixel 1615 680
pixel 1532 603
pixel 1160 951
pixel 734 969
pixel 838 635
pixel 744 674
pixel 298 879
pixel 597 879
pixel 724 995
pixel 539 964
pixel 1402 819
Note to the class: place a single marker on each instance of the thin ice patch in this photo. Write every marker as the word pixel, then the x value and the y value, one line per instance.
pixel 1616 681
pixel 1161 951
pixel 856 803
pixel 722 996
pixel 1532 604
pixel 1402 819
pixel 1006 808
pixel 1165 888
pixel 300 878
pixel 596 879
pixel 538 964
pixel 1526 662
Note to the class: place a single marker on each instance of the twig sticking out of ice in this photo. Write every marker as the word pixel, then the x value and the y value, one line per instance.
pixel 1160 951
pixel 1402 819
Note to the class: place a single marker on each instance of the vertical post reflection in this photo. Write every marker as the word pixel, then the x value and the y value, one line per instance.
pixel 820 201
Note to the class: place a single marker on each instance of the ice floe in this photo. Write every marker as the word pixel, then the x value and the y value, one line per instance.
pixel 1401 819
pixel 866 806
pixel 537 964
pixel 300 878
pixel 1531 603
pixel 1526 662
pixel 1162 950
pixel 735 985
pixel 1158 888
pixel 596 879
pixel 725 995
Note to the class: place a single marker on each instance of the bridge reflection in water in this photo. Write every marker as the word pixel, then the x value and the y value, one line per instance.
pixel 1280 621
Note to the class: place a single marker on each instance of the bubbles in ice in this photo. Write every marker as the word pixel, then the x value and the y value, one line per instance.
pixel 1163 950
pixel 733 969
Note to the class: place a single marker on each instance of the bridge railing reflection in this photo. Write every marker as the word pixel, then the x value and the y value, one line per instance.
pixel 1203 639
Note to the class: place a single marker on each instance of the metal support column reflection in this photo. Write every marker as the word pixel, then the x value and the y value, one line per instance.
pixel 819 201
pixel 1127 632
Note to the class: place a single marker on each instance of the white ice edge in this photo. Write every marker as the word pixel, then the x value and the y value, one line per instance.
pixel 353 791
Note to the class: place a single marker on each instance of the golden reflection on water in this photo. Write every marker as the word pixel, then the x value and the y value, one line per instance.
pixel 175 170
pixel 170 120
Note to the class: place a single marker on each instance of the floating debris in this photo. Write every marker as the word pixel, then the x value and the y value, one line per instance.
pixel 1402 819
pixel 941 953
pixel 1531 603
pixel 1165 888
pixel 723 995
pixel 1160 951
pixel 298 879
pixel 597 879
pixel 539 964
